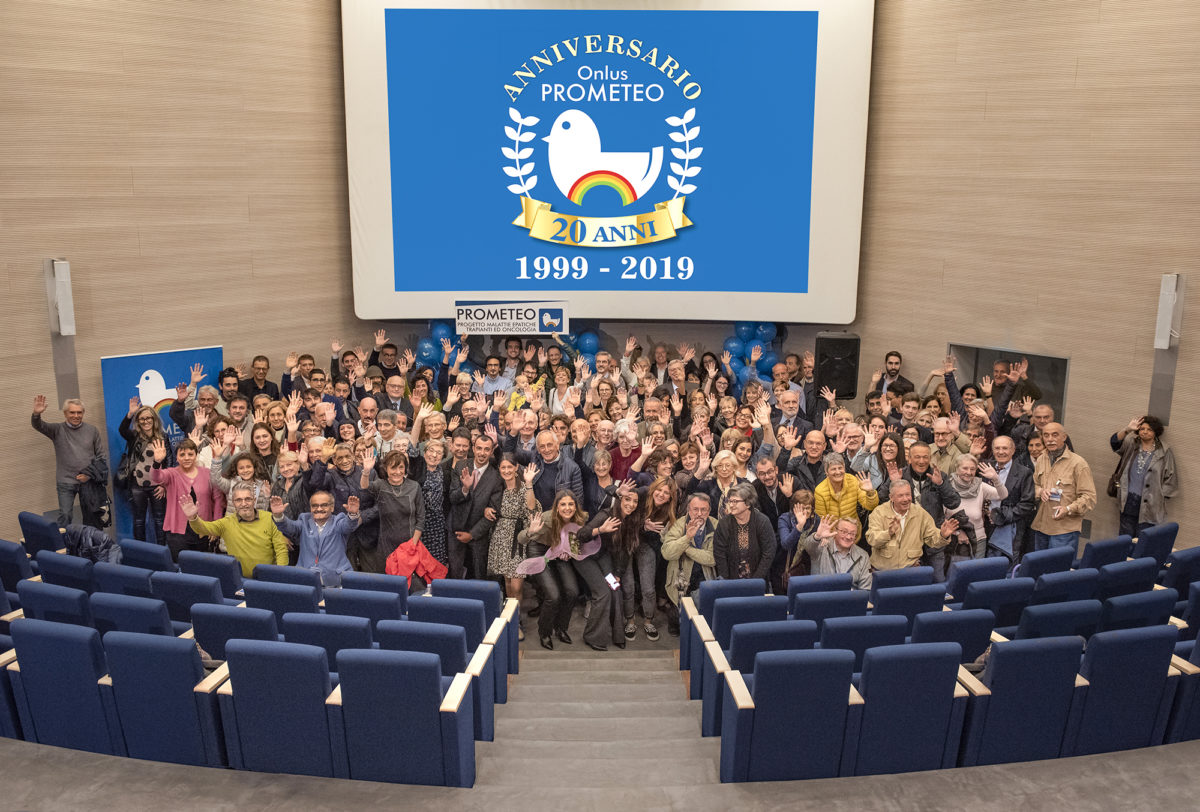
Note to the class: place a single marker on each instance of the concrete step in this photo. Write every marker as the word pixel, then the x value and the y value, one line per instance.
pixel 570 771
pixel 596 729
pixel 575 650
pixel 548 676
pixel 693 746
pixel 611 707
pixel 599 666
pixel 522 692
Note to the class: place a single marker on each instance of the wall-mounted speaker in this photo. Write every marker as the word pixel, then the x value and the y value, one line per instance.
pixel 836 364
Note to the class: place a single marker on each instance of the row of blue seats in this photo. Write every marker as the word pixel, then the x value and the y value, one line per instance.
pixel 393 715
pixel 914 707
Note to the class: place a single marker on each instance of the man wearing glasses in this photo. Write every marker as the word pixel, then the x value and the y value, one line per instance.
pixel 321 535
pixel 249 535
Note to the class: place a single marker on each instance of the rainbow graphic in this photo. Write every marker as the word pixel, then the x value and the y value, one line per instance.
pixel 602 178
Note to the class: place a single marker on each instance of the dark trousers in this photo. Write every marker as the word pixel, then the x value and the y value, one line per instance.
pixel 467 560
pixel 1130 526
pixel 141 498
pixel 602 626
pixel 187 540
pixel 559 587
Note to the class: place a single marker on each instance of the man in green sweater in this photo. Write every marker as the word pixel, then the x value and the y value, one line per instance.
pixel 250 535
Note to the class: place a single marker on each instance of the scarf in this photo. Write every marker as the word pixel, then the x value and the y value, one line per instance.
pixel 968 490
pixel 567 543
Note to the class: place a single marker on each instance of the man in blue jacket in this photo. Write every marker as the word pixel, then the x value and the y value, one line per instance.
pixel 321 534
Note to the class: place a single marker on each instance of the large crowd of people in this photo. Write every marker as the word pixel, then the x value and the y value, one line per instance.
pixel 619 487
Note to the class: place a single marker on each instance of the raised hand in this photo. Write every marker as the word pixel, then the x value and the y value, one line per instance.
pixel 181 391
pixel 447 348
pixel 824 531
pixel 864 481
pixel 978 446
pixel 1027 405
pixel 408 359
pixel 260 414
pixel 688 354
pixel 894 526
pixel 985 386
pixel 541 356
pixel 478 376
pixel 243 370
pixel 630 345
pixel 135 403
pixel 949 365
pixel 949 528
pixel 197 373
pixel 369 458
pixel 218 447
pixel 893 471
pixel 830 422
pixel 352 504
pixel 159 446
pixel 491 432
pixel 536 523
pixel 801 512
pixel 876 377
pixel 710 400
pixel 755 353
pixel 335 346
pixel 762 413
pixel 531 472
pixel 201 416
pixel 455 420
pixel 381 338
pixel 633 413
pixel 988 472
pixel 653 527
pixel 467 478
pixel 726 357
pixel 830 395
pixel 196 436
pixel 838 445
pixel 623 397
pixel 292 360
pixel 1134 424
pixel 188 506
pixel 789 437
pixel 609 525
pixel 277 506
pixel 787 484
pixel 647 445
pixel 676 403
pixel 624 486
pixel 327 449
pixel 935 475
pixel 1020 369
pixel 360 352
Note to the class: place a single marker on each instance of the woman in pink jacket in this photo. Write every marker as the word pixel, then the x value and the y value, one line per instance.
pixel 186 479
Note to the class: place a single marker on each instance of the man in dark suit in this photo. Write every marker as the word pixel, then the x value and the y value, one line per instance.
pixel 789 413
pixel 774 499
pixel 1010 519
pixel 473 483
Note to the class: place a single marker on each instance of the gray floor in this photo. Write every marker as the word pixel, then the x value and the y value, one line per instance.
pixel 606 731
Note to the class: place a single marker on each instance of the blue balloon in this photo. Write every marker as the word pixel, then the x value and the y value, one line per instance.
pixel 570 339
pixel 745 329
pixel 748 352
pixel 736 363
pixel 766 332
pixel 441 329
pixel 734 346
pixel 744 374
pixel 768 360
pixel 588 342
pixel 427 350
pixel 590 357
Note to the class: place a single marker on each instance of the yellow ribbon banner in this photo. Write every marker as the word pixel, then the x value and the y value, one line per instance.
pixel 602 232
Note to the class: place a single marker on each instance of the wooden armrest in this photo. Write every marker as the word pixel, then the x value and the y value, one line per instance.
pixel 106 680
pixel 190 634
pixel 688 604
pixel 475 667
pixel 1178 623
pixel 321 603
pixel 960 691
pixel 37 578
pixel 1158 586
pixel 1080 681
pixel 15 614
pixel 241 605
pixel 495 631
pixel 226 688
pixel 1172 671
pixel 1183 666
pixel 946 608
pixel 510 609
pixel 458 691
pixel 15 666
pixel 717 656
pixel 213 680
pixel 61 551
pixel 737 687
pixel 998 638
pixel 335 697
pixel 972 683
pixel 7 657
pixel 870 606
pixel 701 626
pixel 855 697
pixel 62 530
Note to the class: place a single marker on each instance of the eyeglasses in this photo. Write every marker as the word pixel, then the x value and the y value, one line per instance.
pixel 735 500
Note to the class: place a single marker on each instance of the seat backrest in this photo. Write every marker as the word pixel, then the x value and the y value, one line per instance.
pixel 277 574
pixel 1127 577
pixel 968 571
pixel 40 533
pixel 225 568
pixel 1192 613
pixel 820 605
pixel 1032 684
pixel 215 624
pixel 65 570
pixel 728 612
pixel 126 613
pixel 122 579
pixel 60 665
pixel 858 634
pixel 1100 553
pixel 14 565
pixel 1150 608
pixel 462 612
pixel 181 591
pixel 279 692
pixel 970 628
pixel 1127 675
pixel 487 591
pixel 331 632
pixel 364 603
pixel 378 582
pixel 391 741
pixel 838 582
pixel 1006 598
pixel 281 598
pixel 152 681
pixel 909 601
pixel 799 690
pixel 1182 568
pixel 711 590
pixel 909 693
pixel 906 576
pixel 1069 585
pixel 1156 542
pixel 146 555
pixel 446 641
pixel 1040 562
pixel 59 604
pixel 1069 618
pixel 748 639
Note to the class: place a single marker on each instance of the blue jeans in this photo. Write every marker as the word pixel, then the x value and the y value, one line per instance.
pixel 1041 541
pixel 66 502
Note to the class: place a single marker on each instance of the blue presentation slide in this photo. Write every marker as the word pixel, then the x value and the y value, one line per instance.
pixel 601 150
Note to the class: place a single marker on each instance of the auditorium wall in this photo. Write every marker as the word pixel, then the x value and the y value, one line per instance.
pixel 1031 171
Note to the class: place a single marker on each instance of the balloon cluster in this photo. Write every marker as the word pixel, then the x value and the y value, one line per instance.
pixel 587 344
pixel 429 349
pixel 748 335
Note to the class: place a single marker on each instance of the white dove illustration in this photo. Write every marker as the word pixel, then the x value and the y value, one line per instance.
pixel 152 389
pixel 578 165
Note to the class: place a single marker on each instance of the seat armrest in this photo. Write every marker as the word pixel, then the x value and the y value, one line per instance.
pixel 476 666
pixel 15 614
pixel 494 631
pixel 511 605
pixel 190 634
pixel 456 693
pixel 960 691
pixel 1183 666
pixel 37 578
pixel 241 605
pixel 737 688
pixel 701 626
pixel 226 688
pixel 213 681
pixel 688 605
pixel 998 638
pixel 716 656
pixel 1081 681
pixel 8 657
pixel 1178 623
pixel 972 684
pixel 335 697
pixel 1158 586
pixel 855 697
pixel 946 608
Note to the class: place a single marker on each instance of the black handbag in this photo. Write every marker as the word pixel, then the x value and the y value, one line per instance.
pixel 123 476
pixel 1114 481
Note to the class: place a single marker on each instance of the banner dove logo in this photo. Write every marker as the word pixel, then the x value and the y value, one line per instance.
pixel 578 164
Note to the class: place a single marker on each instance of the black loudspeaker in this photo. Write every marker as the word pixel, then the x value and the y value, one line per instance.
pixel 836 364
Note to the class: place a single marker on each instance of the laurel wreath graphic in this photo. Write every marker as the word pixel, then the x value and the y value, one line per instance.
pixel 687 153
pixel 516 153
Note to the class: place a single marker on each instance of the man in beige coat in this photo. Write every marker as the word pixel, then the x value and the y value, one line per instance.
pixel 898 530
pixel 1065 490
pixel 687 545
